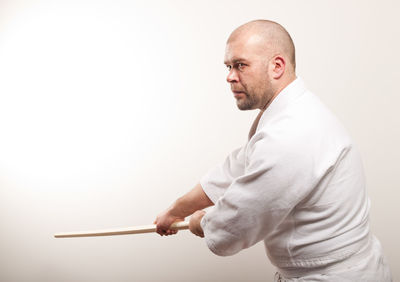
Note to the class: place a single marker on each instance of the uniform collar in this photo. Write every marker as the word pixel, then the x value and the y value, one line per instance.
pixel 291 92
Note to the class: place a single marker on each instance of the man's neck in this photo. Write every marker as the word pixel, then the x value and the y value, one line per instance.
pixel 282 85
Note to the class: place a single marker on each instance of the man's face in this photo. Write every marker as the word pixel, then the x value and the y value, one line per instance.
pixel 247 62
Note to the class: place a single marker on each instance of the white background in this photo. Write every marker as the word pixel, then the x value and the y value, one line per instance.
pixel 110 110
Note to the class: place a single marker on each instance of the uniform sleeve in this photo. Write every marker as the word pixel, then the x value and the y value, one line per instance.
pixel 278 175
pixel 218 179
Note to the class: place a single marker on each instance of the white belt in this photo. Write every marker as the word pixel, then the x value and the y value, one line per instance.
pixel 365 250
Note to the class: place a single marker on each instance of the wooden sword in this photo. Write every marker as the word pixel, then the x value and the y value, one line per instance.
pixel 122 231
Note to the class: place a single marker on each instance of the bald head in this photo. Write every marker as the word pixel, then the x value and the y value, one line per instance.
pixel 270 36
pixel 260 58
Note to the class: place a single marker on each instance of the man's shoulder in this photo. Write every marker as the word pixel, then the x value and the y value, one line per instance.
pixel 304 117
pixel 304 124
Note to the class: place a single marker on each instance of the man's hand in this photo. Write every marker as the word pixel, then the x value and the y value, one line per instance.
pixel 184 206
pixel 194 223
pixel 164 221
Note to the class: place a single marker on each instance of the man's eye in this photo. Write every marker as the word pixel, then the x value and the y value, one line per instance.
pixel 229 67
pixel 241 66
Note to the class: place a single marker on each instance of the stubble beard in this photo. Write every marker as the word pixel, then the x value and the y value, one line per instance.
pixel 255 97
pixel 249 102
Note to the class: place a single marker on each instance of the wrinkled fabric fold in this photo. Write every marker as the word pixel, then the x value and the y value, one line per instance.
pixel 297 184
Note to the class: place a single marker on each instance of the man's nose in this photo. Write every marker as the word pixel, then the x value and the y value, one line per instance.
pixel 232 76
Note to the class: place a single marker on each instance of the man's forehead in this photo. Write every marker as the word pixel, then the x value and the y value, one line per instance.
pixel 235 54
pixel 234 51
pixel 244 48
pixel 235 59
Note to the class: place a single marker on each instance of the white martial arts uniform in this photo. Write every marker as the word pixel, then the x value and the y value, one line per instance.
pixel 297 184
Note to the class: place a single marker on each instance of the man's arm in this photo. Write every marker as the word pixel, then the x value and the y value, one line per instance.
pixel 184 206
pixel 279 174
pixel 215 183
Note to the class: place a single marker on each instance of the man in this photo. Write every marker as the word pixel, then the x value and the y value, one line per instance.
pixel 297 184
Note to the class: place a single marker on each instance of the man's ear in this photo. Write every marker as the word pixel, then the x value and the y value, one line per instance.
pixel 278 66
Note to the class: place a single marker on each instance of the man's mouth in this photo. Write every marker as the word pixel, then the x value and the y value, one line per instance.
pixel 238 94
